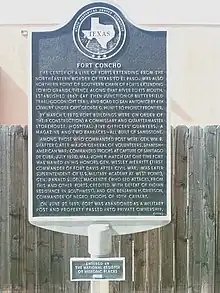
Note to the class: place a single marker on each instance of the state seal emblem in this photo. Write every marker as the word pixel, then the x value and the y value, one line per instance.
pixel 99 33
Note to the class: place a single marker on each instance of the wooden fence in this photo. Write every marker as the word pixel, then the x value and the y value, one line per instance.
pixel 181 257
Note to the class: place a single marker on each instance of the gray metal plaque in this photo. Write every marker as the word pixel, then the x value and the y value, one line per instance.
pixel 87 269
pixel 99 121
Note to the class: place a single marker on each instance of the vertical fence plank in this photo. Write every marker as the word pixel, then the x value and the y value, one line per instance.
pixel 208 211
pixel 19 175
pixel 195 193
pixel 43 254
pixel 126 251
pixel 5 279
pixel 114 287
pixel 24 214
pixel 217 242
pixel 2 196
pixel 153 270
pixel 29 245
pixel 167 235
pixel 14 215
pixel 139 262
pixel 15 212
pixel 71 247
pixel 180 202
pixel 83 252
pixel 30 255
pixel 31 261
pixel 57 262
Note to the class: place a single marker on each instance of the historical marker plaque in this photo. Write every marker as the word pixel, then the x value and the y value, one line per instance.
pixel 99 127
pixel 87 269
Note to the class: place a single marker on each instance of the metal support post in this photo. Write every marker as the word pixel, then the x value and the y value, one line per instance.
pixel 100 245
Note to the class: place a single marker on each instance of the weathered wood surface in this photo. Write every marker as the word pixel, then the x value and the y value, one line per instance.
pixel 182 257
